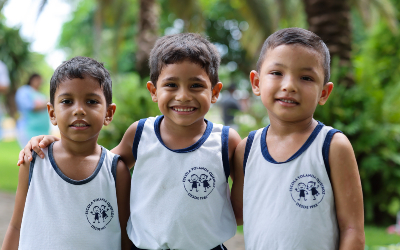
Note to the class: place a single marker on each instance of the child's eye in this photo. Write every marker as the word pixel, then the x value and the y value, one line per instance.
pixel 66 101
pixel 276 73
pixel 197 85
pixel 171 85
pixel 92 102
pixel 306 78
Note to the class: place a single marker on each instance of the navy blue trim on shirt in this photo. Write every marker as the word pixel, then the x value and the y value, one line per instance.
pixel 138 135
pixel 195 146
pixel 69 180
pixel 225 150
pixel 268 157
pixel 31 166
pixel 325 149
pixel 114 167
pixel 249 143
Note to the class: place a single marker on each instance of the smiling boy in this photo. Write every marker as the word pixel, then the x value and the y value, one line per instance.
pixel 292 78
pixel 169 209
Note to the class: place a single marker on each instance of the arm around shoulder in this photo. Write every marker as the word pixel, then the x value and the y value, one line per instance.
pixel 123 186
pixel 238 181
pixel 347 190
pixel 11 240
pixel 124 148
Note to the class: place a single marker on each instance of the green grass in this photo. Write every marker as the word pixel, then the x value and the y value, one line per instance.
pixel 376 237
pixel 8 165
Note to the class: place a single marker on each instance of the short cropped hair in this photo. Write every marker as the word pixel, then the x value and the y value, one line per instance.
pixel 81 67
pixel 293 36
pixel 185 46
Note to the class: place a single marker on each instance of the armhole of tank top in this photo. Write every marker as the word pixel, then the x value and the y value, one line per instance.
pixel 114 167
pixel 138 135
pixel 249 143
pixel 225 150
pixel 31 166
pixel 325 150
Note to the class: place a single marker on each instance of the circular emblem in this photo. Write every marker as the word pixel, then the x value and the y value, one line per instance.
pixel 99 213
pixel 199 182
pixel 307 191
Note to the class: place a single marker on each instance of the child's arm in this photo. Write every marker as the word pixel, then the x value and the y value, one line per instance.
pixel 124 148
pixel 347 190
pixel 123 186
pixel 11 240
pixel 238 181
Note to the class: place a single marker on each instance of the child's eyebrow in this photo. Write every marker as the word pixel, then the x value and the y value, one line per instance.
pixel 88 95
pixel 194 79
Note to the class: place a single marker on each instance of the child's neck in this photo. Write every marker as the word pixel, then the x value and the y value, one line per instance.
pixel 283 128
pixel 179 137
pixel 77 160
pixel 284 139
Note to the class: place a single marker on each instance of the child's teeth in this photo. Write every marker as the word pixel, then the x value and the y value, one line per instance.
pixel 184 110
pixel 80 125
pixel 287 101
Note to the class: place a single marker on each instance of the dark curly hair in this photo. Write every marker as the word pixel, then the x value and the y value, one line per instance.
pixel 185 46
pixel 293 36
pixel 79 67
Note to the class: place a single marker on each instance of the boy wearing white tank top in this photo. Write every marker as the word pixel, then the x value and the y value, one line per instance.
pixel 302 187
pixel 77 195
pixel 180 198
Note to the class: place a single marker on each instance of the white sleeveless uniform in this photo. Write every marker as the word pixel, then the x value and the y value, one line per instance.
pixel 289 205
pixel 61 213
pixel 180 198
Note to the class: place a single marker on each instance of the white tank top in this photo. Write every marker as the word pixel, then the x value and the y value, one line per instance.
pixel 180 198
pixel 289 205
pixel 61 213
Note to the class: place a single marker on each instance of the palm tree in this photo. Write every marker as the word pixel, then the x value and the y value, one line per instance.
pixel 147 35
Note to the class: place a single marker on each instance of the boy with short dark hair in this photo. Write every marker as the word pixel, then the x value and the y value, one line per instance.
pixel 180 194
pixel 302 188
pixel 77 196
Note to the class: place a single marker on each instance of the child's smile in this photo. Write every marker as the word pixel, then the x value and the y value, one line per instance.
pixel 184 93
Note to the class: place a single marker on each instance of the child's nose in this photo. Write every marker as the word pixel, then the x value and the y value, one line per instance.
pixel 288 84
pixel 183 95
pixel 79 110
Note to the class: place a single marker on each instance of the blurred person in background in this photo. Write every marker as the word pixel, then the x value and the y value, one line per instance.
pixel 32 106
pixel 229 107
pixel 4 83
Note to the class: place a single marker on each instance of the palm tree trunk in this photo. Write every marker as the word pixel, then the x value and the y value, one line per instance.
pixel 330 19
pixel 147 35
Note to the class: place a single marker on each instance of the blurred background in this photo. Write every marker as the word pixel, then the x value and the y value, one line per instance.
pixel 363 37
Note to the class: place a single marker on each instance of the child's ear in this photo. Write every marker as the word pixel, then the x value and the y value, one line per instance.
pixel 326 91
pixel 215 92
pixel 110 113
pixel 255 82
pixel 153 91
pixel 52 114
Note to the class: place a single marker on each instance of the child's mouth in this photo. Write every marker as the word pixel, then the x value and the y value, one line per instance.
pixel 287 101
pixel 187 109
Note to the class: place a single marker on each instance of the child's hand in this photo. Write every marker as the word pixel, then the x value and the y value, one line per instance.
pixel 36 144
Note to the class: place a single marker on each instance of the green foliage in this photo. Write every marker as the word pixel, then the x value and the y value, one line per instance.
pixel 8 165
pixel 116 43
pixel 133 103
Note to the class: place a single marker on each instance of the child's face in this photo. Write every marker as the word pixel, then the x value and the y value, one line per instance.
pixel 291 83
pixel 80 109
pixel 184 93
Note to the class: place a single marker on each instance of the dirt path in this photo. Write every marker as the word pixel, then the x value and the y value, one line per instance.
pixel 6 210
pixel 7 206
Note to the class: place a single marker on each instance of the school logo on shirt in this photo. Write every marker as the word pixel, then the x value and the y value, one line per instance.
pixel 307 191
pixel 199 182
pixel 99 213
